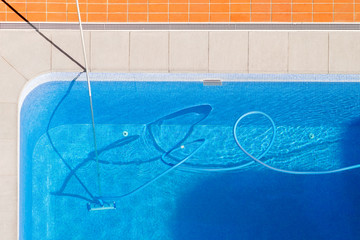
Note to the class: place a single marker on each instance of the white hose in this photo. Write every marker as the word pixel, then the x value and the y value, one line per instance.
pixel 257 159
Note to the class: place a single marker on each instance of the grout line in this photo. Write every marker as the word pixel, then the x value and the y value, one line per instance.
pixel 208 58
pixel 251 10
pixel 87 10
pixel 288 54
pixel 292 18
pixel 8 138
pixel 229 10
pixel 312 11
pixel 328 71
pixel 129 51
pixel 354 12
pixel 188 11
pixel 168 51
pixel 51 53
pixel 270 10
pixel 248 53
pixel 90 53
pixel 5 138
pixel 66 9
pixel 333 11
pixel 209 11
pixel 14 68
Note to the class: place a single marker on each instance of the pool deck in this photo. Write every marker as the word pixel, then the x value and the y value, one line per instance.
pixel 25 54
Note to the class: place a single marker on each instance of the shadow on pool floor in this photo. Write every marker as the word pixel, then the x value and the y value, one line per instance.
pixel 269 205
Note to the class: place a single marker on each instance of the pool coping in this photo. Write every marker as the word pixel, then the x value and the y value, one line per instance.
pixel 198 26
pixel 185 77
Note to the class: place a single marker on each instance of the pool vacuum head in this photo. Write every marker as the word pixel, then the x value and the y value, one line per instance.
pixel 101 206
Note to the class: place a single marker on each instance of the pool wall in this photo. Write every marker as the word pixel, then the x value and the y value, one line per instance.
pixel 24 55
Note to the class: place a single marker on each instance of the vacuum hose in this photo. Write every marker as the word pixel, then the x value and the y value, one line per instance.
pixel 257 159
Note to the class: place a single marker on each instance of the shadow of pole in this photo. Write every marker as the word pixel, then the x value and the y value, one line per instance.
pixel 42 35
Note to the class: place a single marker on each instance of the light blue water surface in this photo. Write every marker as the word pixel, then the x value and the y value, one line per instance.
pixel 318 128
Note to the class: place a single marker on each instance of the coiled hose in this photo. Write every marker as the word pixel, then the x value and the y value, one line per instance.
pixel 257 159
pixel 201 142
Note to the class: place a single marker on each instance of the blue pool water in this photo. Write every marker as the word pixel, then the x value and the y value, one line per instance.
pixel 137 123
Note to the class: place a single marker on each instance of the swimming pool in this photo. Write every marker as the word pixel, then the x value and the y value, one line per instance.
pixel 148 124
